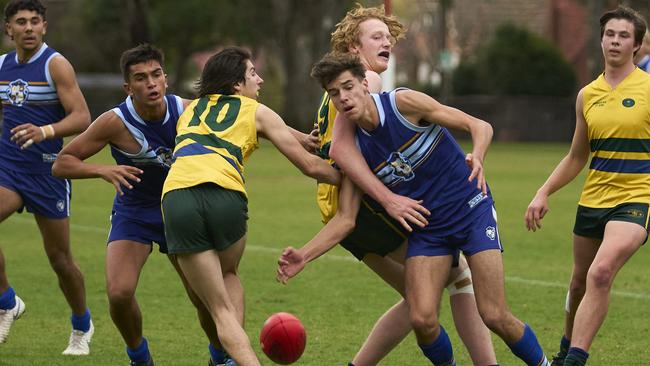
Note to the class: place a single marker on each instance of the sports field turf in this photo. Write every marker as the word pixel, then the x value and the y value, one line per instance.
pixel 337 298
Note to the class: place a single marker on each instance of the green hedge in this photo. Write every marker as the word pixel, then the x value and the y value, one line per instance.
pixel 515 62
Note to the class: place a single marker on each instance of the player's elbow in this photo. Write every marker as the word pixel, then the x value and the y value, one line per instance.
pixel 57 169
pixel 321 171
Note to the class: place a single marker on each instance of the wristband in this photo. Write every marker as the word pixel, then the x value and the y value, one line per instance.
pixel 47 131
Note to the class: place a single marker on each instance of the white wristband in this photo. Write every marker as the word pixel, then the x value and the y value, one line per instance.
pixel 48 131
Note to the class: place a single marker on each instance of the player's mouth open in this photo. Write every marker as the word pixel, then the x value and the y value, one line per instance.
pixel 384 54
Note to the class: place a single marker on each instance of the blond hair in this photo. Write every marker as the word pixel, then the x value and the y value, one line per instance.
pixel 347 31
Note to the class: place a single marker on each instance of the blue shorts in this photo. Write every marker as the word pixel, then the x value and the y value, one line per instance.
pixel 479 234
pixel 146 233
pixel 42 194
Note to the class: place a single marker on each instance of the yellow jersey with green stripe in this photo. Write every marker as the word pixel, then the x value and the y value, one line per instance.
pixel 215 136
pixel 327 195
pixel 618 128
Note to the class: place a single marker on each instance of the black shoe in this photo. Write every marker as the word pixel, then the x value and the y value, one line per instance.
pixel 558 359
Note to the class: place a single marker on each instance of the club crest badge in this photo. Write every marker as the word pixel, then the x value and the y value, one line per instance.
pixel 400 166
pixel 17 92
pixel 491 232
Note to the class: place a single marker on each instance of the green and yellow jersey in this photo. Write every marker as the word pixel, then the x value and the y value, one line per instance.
pixel 618 128
pixel 215 136
pixel 327 195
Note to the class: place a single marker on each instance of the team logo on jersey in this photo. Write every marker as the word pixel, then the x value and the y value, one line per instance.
pixel 401 166
pixel 628 102
pixel 491 232
pixel 60 205
pixel 164 156
pixel 18 91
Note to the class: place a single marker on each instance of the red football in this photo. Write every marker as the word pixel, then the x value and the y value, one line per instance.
pixel 283 338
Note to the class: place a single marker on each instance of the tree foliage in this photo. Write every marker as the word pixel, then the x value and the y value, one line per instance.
pixel 516 62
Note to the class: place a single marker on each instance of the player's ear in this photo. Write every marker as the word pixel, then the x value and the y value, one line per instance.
pixel 44 27
pixel 127 89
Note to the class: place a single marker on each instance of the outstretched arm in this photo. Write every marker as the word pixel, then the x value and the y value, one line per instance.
pixel 416 107
pixel 272 127
pixel 292 260
pixel 568 168
pixel 70 161
pixel 77 116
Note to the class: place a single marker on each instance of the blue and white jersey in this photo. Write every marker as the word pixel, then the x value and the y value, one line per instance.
pixel 423 163
pixel 156 139
pixel 29 95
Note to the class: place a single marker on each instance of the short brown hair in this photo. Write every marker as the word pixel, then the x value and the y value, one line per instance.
pixel 222 71
pixel 334 64
pixel 623 12
pixel 139 54
pixel 347 31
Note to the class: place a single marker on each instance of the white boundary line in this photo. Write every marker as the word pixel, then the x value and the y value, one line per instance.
pixel 276 251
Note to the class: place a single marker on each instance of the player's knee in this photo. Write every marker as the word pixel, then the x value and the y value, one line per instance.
pixel 61 262
pixel 601 276
pixel 494 318
pixel 577 287
pixel 119 295
pixel 462 284
pixel 423 323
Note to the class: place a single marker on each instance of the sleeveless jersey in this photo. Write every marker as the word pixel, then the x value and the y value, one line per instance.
pixel 327 195
pixel 423 163
pixel 618 128
pixel 156 139
pixel 216 135
pixel 28 94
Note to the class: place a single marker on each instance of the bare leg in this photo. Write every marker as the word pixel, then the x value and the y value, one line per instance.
pixel 203 272
pixel 205 319
pixel 584 252
pixel 425 280
pixel 56 239
pixel 394 325
pixel 621 241
pixel 11 201
pixel 469 325
pixel 4 283
pixel 489 289
pixel 124 261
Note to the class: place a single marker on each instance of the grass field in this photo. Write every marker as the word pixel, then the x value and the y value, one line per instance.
pixel 337 298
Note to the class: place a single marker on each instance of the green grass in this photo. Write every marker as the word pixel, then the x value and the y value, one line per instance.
pixel 337 298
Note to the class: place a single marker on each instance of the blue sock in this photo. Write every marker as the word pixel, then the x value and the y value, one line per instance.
pixel 8 299
pixel 576 356
pixel 82 322
pixel 439 352
pixel 218 355
pixel 528 348
pixel 140 354
pixel 350 364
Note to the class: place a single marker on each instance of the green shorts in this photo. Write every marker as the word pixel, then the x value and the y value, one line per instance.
pixel 590 222
pixel 203 217
pixel 375 233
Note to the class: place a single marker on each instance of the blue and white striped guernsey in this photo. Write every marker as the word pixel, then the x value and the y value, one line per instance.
pixel 156 139
pixel 29 95
pixel 421 162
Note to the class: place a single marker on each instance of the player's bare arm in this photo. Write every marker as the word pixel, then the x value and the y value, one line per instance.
pixel 107 129
pixel 292 260
pixel 344 151
pixel 309 141
pixel 416 107
pixel 273 128
pixel 77 116
pixel 568 168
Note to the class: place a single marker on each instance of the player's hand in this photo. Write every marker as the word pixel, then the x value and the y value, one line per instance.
pixel 477 172
pixel 537 208
pixel 26 135
pixel 120 176
pixel 406 210
pixel 291 262
pixel 311 141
